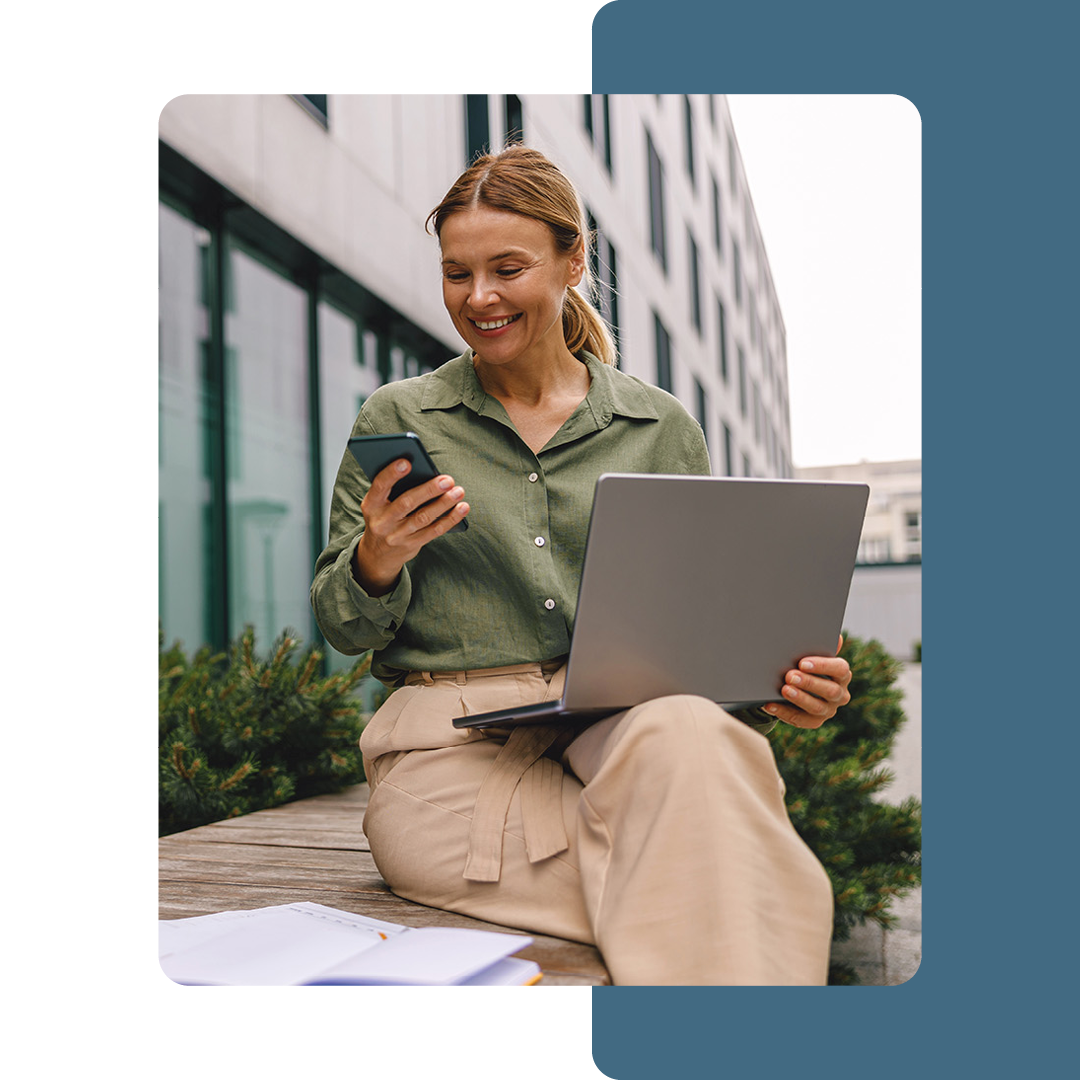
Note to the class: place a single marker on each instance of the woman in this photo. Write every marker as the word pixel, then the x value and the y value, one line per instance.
pixel 660 833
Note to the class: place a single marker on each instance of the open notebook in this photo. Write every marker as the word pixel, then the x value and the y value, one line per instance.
pixel 306 944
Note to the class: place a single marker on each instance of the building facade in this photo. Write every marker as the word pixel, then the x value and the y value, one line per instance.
pixel 892 530
pixel 885 601
pixel 296 277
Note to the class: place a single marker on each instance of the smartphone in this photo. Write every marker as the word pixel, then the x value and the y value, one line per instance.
pixel 374 452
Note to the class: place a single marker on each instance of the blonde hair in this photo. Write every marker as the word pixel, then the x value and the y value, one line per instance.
pixel 522 181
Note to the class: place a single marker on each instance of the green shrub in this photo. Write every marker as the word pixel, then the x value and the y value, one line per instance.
pixel 237 733
pixel 871 850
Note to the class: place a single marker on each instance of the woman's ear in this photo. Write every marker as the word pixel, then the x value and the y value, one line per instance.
pixel 577 264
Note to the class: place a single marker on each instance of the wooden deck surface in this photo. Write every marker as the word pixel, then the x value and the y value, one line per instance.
pixel 315 850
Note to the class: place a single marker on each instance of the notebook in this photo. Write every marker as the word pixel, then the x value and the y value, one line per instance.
pixel 310 944
pixel 703 585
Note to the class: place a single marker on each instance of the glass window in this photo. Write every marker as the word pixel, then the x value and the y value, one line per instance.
pixel 701 403
pixel 348 375
pixel 186 417
pixel 656 202
pixel 742 380
pixel 733 181
pixel 267 450
pixel 688 130
pixel 695 281
pixel 515 123
pixel 597 117
pixel 721 330
pixel 736 270
pixel 477 126
pixel 245 478
pixel 605 109
pixel 663 355
pixel 316 105
pixel 717 224
pixel 606 280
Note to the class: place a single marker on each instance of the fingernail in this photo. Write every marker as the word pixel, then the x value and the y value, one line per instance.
pixel 445 482
pixel 796 679
pixel 807 665
pixel 402 466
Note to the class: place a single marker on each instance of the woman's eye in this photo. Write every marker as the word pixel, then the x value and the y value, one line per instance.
pixel 455 275
pixel 509 271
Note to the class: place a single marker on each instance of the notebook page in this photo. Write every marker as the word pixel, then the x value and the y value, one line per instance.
pixel 277 946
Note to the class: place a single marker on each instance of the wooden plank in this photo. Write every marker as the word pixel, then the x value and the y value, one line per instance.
pixel 269 834
pixel 184 860
pixel 315 850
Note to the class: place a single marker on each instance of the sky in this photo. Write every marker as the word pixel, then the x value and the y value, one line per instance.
pixel 836 185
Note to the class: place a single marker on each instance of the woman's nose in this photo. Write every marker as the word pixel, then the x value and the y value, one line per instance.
pixel 483 292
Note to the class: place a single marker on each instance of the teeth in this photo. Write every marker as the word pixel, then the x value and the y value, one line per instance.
pixel 495 325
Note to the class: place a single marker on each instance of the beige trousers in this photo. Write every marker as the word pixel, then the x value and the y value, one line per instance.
pixel 658 834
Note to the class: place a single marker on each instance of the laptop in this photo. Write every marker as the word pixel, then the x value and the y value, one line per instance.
pixel 714 586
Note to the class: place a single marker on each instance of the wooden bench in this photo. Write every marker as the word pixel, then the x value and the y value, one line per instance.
pixel 315 849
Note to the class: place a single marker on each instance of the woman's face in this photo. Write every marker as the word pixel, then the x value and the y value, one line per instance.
pixel 504 284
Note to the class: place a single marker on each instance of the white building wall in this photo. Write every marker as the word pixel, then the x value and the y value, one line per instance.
pixel 359 192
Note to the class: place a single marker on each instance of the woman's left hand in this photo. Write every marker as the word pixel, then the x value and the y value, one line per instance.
pixel 813 691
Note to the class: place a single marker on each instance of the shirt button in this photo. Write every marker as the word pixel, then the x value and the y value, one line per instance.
pixel 533 478
pixel 539 541
pixel 549 604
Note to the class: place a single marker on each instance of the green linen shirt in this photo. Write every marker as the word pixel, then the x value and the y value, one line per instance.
pixel 504 591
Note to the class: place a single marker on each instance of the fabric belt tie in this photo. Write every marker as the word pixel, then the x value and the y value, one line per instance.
pixel 521 760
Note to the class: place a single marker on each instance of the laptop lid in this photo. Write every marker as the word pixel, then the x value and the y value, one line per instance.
pixel 709 585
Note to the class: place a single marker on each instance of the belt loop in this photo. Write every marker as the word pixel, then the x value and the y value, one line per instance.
pixel 427 677
pixel 460 677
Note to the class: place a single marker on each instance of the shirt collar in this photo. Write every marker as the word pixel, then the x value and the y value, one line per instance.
pixel 610 393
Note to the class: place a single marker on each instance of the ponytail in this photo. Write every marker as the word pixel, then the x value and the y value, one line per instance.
pixel 585 329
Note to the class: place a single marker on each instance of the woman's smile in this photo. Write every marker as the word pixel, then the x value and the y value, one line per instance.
pixel 492 326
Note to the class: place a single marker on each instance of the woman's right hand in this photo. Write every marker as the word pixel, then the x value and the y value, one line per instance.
pixel 395 531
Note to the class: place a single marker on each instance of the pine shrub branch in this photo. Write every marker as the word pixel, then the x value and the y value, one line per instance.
pixel 871 850
pixel 238 733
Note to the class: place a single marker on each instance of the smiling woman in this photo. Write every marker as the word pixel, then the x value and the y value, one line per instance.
pixel 525 184
pixel 504 285
pixel 589 833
